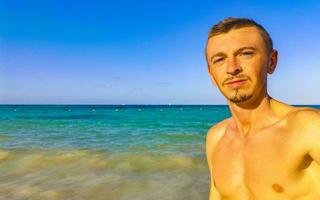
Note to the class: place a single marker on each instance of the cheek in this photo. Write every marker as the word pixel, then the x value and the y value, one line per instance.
pixel 215 74
pixel 257 69
pixel 263 72
pixel 218 76
pixel 259 75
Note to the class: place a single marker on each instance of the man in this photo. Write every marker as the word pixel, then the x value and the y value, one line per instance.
pixel 266 150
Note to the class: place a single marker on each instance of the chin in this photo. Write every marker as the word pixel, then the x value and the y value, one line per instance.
pixel 239 97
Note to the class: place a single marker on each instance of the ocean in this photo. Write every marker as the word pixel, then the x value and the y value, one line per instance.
pixel 109 152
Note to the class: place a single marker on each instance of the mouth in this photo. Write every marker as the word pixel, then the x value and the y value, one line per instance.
pixel 236 83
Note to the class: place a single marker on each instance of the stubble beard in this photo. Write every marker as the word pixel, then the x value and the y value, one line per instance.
pixel 239 98
pixel 239 95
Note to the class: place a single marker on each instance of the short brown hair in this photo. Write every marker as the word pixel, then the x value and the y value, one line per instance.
pixel 230 23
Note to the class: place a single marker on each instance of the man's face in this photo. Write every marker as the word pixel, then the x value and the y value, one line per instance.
pixel 238 63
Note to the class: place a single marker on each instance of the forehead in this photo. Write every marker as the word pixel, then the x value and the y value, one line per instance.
pixel 234 39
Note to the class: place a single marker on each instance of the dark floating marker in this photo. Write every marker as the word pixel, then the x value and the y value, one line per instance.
pixel 278 188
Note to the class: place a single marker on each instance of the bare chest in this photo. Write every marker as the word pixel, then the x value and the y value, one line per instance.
pixel 268 163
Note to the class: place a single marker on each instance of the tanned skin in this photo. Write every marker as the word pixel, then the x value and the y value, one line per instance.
pixel 266 150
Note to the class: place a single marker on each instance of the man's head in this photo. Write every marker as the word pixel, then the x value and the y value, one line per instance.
pixel 240 54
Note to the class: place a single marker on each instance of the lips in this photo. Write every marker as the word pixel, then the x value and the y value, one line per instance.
pixel 235 81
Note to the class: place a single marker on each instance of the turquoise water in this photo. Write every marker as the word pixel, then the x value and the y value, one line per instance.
pixel 160 129
pixel 105 152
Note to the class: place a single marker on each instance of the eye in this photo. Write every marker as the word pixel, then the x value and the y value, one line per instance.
pixel 218 60
pixel 247 53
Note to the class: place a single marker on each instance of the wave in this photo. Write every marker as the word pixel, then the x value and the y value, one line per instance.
pixel 89 174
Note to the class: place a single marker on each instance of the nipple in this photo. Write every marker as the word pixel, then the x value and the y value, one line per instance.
pixel 278 188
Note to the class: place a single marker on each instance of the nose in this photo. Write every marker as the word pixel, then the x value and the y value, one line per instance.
pixel 233 67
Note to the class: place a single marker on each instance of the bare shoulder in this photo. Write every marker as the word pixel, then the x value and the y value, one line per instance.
pixel 305 123
pixel 214 135
pixel 304 117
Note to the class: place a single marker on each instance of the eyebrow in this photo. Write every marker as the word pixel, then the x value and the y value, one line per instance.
pixel 237 52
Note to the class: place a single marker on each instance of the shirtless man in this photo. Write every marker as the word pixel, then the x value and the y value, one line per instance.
pixel 267 150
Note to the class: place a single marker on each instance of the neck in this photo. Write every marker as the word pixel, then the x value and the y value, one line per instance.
pixel 253 115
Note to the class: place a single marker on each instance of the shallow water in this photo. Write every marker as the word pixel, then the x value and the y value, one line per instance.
pixel 87 174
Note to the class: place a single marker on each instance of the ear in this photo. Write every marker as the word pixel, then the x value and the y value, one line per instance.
pixel 273 60
pixel 211 77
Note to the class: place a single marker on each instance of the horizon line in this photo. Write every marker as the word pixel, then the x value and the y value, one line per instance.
pixel 52 104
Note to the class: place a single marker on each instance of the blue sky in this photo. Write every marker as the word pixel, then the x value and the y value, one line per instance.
pixel 144 52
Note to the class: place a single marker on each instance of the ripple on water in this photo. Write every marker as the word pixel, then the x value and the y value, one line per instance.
pixel 5 138
pixel 3 154
pixel 85 174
